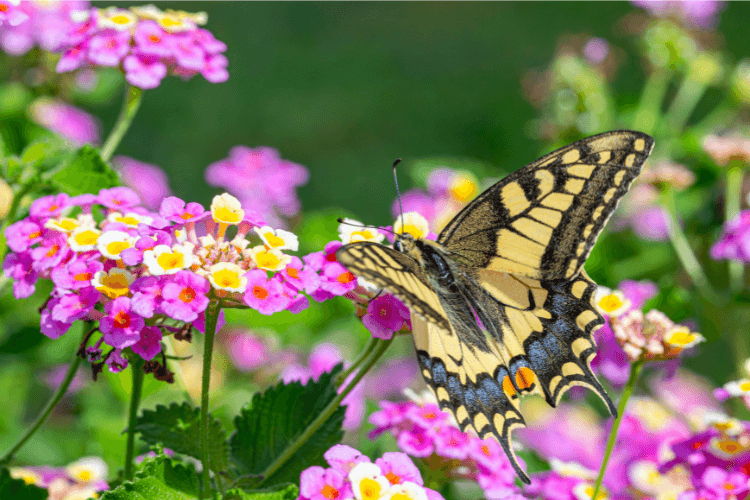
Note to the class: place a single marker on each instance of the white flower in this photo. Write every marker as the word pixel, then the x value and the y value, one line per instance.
pixel 227 209
pixel 611 303
pixel 681 336
pixel 112 243
pixel 87 470
pixel 269 259
pixel 113 284
pixel 368 481
pixel 738 387
pixel 83 239
pixel 169 260
pixel 227 276
pixel 130 219
pixel 412 223
pixel 117 19
pixel 405 490
pixel 277 238
pixel 585 491
pixel 571 469
pixel 353 231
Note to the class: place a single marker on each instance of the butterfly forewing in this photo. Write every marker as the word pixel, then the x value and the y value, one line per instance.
pixel 542 220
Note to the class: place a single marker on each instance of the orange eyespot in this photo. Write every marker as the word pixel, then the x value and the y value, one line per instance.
pixel 525 378
pixel 508 388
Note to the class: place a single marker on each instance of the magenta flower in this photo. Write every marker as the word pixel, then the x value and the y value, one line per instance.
pixel 247 351
pixel 726 483
pixel 18 267
pixel 700 13
pixel 73 124
pixel 337 280
pixel 121 326
pixel 118 198
pixel 452 443
pixel 385 315
pixel 317 483
pixel 47 26
pixel 735 239
pixel 175 210
pixel 398 468
pixel 11 14
pixel 22 235
pixel 300 277
pixel 151 40
pixel 189 55
pixel 49 206
pixel 416 443
pixel 108 49
pixel 144 71
pixel 76 274
pixel 147 295
pixel 74 306
pixel 149 344
pixel 215 68
pixel 116 362
pixel 185 296
pixel 552 486
pixel 49 326
pixel 343 458
pixel 149 181
pixel 264 295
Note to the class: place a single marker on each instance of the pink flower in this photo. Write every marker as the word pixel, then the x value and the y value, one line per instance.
pixel 18 267
pixel 317 483
pixel 116 362
pixel 187 54
pixel 343 458
pixel 151 40
pixel 76 274
pixel 264 295
pixel 144 72
pixel 385 315
pixel 49 326
pixel 300 277
pixel 11 14
pixel 109 49
pixel 121 326
pixel 149 181
pixel 247 351
pixel 73 58
pixel 452 443
pixel 149 344
pixel 74 306
pixel 427 416
pixel 73 124
pixel 49 206
pixel 215 68
pixel 398 468
pixel 22 235
pixel 734 243
pixel 47 26
pixel 416 443
pixel 337 280
pixel 185 296
pixel 175 210
pixel 118 198
pixel 147 295
pixel 206 40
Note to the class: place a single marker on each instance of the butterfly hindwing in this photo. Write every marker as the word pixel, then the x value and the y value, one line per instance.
pixel 542 220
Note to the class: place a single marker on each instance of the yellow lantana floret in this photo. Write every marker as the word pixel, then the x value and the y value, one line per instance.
pixel 368 481
pixel 112 243
pixel 83 239
pixel 277 238
pixel 681 337
pixel 227 276
pixel 63 224
pixel 463 187
pixel 269 259
pixel 611 302
pixel 405 491
pixel 227 209
pixel 130 219
pixel 113 284
pixel 117 19
pixel 412 223
pixel 585 491
pixel 169 260
pixel 87 470
pixel 353 231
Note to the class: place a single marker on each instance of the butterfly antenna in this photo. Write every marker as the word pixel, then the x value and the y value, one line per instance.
pixel 398 193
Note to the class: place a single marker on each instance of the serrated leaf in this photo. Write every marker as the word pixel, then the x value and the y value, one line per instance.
pixel 276 418
pixel 178 427
pixel 17 489
pixel 85 172
pixel 282 492
pixel 159 479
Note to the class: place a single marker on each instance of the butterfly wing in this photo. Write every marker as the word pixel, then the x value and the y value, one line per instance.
pixel 396 272
pixel 542 220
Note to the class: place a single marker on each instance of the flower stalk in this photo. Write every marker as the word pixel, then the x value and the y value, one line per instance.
pixel 42 418
pixel 212 318
pixel 133 97
pixel 732 202
pixel 136 366
pixel 635 371
pixel 377 348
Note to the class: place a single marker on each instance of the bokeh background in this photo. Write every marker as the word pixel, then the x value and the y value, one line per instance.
pixel 344 89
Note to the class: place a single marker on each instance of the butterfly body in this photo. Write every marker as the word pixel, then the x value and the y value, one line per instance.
pixel 501 304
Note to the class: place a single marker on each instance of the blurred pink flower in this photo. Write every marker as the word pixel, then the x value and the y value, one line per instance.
pixel 696 13
pixel 247 351
pixel 47 26
pixel 735 239
pixel 149 181
pixel 73 124
pixel 54 377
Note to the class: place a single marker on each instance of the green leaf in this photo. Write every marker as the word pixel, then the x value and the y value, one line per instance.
pixel 178 427
pixel 282 492
pixel 276 418
pixel 45 153
pixel 159 479
pixel 17 489
pixel 85 172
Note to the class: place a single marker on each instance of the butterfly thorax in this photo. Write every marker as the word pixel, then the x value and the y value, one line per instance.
pixel 430 256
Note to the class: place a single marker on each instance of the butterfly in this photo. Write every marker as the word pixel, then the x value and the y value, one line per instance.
pixel 501 305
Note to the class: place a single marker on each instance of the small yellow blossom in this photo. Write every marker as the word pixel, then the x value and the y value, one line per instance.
pixel 368 482
pixel 681 337
pixel 353 231
pixel 278 238
pixel 226 209
pixel 404 491
pixel 228 277
pixel 113 284
pixel 112 243
pixel 724 423
pixel 463 187
pixel 83 239
pixel 117 19
pixel 412 223
pixel 585 491
pixel 169 260
pixel 738 388
pixel 63 224
pixel 87 470
pixel 611 303
pixel 27 475
pixel 130 219
pixel 269 259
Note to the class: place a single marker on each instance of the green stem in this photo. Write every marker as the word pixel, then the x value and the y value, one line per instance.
pixel 683 104
pixel 681 246
pixel 732 203
pixel 212 317
pixel 652 98
pixel 362 357
pixel 635 370
pixel 130 106
pixel 380 346
pixel 72 369
pixel 135 400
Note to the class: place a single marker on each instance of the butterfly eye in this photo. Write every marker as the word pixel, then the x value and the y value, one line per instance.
pixel 398 245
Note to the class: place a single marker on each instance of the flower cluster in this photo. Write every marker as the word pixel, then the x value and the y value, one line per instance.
pixel 33 23
pixel 83 478
pixel 352 475
pixel 422 430
pixel 700 14
pixel 653 336
pixel 73 124
pixel 724 149
pixel 146 43
pixel 260 175
pixel 734 242
pixel 133 269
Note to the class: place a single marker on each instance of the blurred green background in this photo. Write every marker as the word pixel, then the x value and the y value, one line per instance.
pixel 345 88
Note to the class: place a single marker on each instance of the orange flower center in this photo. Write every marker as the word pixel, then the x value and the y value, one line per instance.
pixel 346 277
pixel 330 492
pixel 187 294
pixel 393 478
pixel 259 292
pixel 122 320
pixel 82 277
pixel 294 273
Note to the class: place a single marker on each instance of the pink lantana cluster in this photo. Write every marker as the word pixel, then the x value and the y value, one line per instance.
pixel 734 243
pixel 84 478
pixel 422 430
pixel 146 43
pixel 43 24
pixel 133 269
pixel 260 174
pixel 73 124
pixel 353 475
